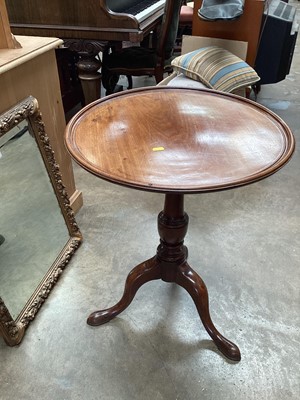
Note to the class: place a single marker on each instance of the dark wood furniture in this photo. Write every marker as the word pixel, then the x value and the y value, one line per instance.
pixel 177 141
pixel 139 61
pixel 70 85
pixel 85 26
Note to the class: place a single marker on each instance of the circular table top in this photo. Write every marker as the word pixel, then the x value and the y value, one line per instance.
pixel 178 140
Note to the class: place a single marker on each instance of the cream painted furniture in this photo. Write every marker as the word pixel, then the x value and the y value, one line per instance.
pixel 32 70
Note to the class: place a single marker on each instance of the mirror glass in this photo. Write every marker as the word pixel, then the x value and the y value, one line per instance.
pixel 38 231
pixel 32 227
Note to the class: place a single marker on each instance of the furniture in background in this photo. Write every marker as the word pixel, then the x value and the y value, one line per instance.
pixel 181 76
pixel 188 141
pixel 70 84
pixel 269 27
pixel 217 68
pixel 278 39
pixel 185 23
pixel 32 70
pixel 86 26
pixel 246 28
pixel 138 61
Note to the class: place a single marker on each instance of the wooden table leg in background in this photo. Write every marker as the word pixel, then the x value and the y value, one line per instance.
pixel 89 65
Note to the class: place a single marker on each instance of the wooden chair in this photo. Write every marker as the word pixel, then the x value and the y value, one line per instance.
pixel 139 61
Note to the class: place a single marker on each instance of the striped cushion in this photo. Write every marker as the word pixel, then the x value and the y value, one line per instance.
pixel 217 68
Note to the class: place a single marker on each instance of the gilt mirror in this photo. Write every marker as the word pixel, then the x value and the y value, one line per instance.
pixel 38 231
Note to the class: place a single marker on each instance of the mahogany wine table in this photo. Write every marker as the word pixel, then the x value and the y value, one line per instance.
pixel 177 141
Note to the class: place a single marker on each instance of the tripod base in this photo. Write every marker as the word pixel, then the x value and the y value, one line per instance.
pixel 170 265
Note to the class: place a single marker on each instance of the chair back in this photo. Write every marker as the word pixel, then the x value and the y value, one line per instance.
pixel 169 28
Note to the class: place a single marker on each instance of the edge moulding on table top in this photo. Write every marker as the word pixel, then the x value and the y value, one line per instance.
pixel 207 141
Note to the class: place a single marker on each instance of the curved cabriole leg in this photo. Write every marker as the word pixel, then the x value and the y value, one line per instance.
pixel 191 281
pixel 170 265
pixel 142 273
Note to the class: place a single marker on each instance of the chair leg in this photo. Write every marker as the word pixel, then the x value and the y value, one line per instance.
pixel 109 80
pixel 159 74
pixel 129 79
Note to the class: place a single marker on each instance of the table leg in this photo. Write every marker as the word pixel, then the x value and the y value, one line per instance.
pixel 170 265
pixel 191 281
pixel 88 65
pixel 142 273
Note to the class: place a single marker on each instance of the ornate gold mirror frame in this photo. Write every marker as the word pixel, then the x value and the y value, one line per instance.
pixel 11 329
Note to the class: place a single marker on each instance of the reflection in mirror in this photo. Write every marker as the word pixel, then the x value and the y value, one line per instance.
pixel 38 231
